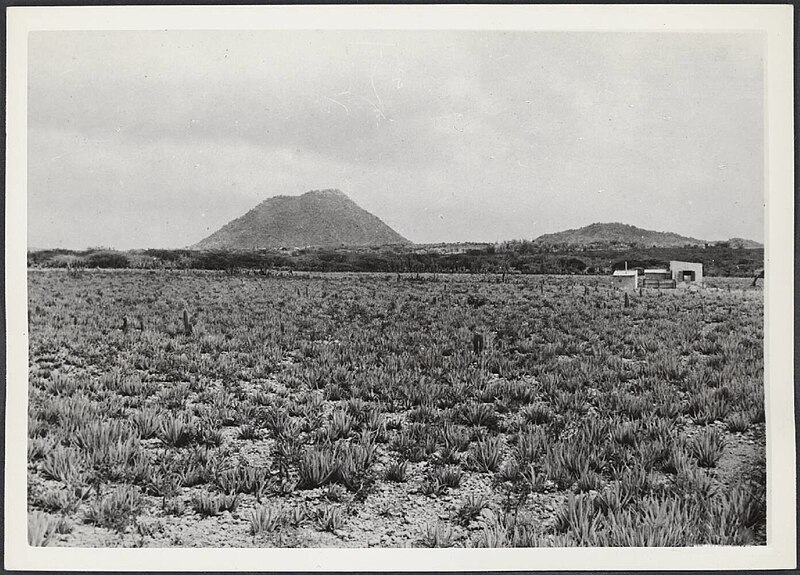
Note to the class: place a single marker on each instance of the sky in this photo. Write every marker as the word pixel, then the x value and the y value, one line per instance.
pixel 158 138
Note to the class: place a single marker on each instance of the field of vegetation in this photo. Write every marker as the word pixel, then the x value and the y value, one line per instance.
pixel 181 408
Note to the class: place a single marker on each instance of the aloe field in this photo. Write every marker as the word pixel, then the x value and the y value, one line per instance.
pixel 175 409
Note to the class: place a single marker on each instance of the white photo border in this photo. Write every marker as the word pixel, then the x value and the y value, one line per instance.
pixel 774 21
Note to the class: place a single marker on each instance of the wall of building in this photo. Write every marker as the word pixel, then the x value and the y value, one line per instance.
pixel 678 268
pixel 625 282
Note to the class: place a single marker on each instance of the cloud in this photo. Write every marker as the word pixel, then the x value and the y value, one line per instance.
pixel 156 138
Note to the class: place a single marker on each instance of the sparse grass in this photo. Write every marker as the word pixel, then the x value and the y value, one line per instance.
pixel 708 448
pixel 448 476
pixel 471 507
pixel 209 505
pixel 41 528
pixel 175 431
pixel 64 464
pixel 116 510
pixel 266 519
pixel 437 534
pixel 397 471
pixel 330 518
pixel 486 455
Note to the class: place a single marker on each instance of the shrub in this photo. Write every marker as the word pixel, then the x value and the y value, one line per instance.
pixel 117 510
pixel 448 476
pixel 315 469
pixel 677 459
pixel 478 414
pixel 266 519
pixel 176 432
pixel 437 534
pixel 431 487
pixel 248 432
pixel 509 472
pixel 244 479
pixel 64 464
pixel 493 535
pixel 107 259
pixel 738 422
pixel 341 425
pixel 330 518
pixel 612 500
pixel 60 501
pixel 471 507
pixel 589 480
pixel 296 515
pixel 174 506
pixel 486 455
pixel 707 407
pixel 694 484
pixel 536 414
pixel 207 434
pixel 455 437
pixel 625 433
pixel 579 518
pixel 210 505
pixel 147 422
pixel 396 471
pixel 40 529
pixel 708 448
pixel 530 446
pixel 654 523
pixel 745 505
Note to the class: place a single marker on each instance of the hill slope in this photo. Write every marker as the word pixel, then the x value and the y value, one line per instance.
pixel 317 218
pixel 617 234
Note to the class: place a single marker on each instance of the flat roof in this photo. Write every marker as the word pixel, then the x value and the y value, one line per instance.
pixel 656 271
pixel 625 273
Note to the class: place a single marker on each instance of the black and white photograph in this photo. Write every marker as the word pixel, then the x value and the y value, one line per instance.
pixel 382 284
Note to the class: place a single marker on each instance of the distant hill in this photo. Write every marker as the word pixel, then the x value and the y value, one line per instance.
pixel 742 243
pixel 602 235
pixel 622 236
pixel 319 218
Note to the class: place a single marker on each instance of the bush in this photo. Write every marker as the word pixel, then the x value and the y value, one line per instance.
pixel 396 471
pixel 486 455
pixel 438 535
pixel 64 464
pixel 654 523
pixel 471 507
pixel 107 259
pixel 315 469
pixel 211 505
pixel 266 519
pixel 738 422
pixel 536 414
pixel 117 510
pixel 176 432
pixel 330 518
pixel 40 529
pixel 708 448
pixel 148 422
pixel 478 414
pixel 449 476
pixel 530 446
pixel 579 518
pixel 248 432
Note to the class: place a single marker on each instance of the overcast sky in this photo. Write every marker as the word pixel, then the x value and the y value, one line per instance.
pixel 156 139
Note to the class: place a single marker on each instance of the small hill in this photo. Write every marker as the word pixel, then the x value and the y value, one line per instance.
pixel 743 244
pixel 616 234
pixel 319 218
